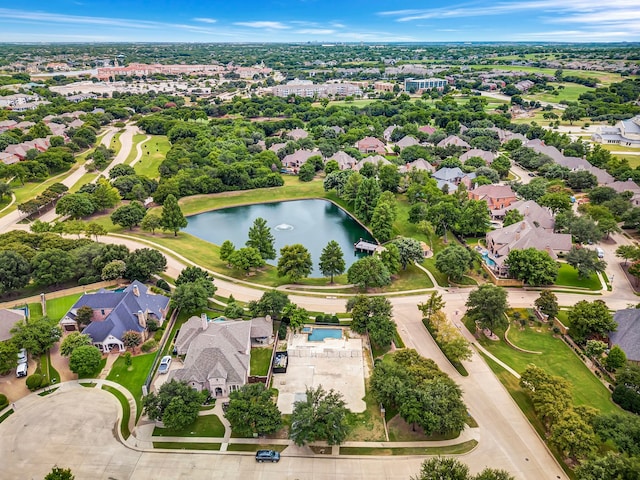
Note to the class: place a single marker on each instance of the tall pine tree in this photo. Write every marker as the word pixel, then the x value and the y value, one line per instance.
pixel 261 239
pixel 172 218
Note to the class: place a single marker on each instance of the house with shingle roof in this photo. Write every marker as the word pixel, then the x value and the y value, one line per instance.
pixel 520 236
pixel 115 313
pixel 277 146
pixel 452 177
pixel 498 197
pixel 371 145
pixel 298 158
pixel 298 134
pixel 388 132
pixel 8 319
pixel 620 187
pixel 488 157
pixel 541 217
pixel 377 160
pixel 428 129
pixel 407 141
pixel 345 161
pixel 218 352
pixel 453 140
pixel 627 335
pixel 420 164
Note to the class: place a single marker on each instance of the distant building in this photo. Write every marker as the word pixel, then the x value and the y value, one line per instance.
pixel 419 85
pixel 625 133
pixel 321 90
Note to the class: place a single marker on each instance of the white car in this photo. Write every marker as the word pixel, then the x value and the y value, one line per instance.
pixel 165 363
pixel 22 356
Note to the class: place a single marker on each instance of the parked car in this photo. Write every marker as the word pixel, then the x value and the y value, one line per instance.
pixel 22 370
pixel 267 456
pixel 165 363
pixel 22 356
pixel 600 252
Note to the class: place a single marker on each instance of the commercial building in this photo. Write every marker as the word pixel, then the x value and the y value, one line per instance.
pixel 421 84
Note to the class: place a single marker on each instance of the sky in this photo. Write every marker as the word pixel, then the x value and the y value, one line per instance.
pixel 325 21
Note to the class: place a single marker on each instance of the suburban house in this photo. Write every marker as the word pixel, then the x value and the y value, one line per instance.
pixel 297 159
pixel 498 197
pixel 453 140
pixel 345 161
pixel 115 313
pixel 541 217
pixel 488 157
pixel 277 146
pixel 625 132
pixel 428 129
pixel 626 186
pixel 420 164
pixel 520 236
pixel 452 177
pixel 218 352
pixel 627 335
pixel 371 145
pixel 388 132
pixel 297 134
pixel 407 141
pixel 377 160
pixel 8 319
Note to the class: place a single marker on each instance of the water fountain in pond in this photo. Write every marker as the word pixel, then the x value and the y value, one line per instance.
pixel 284 227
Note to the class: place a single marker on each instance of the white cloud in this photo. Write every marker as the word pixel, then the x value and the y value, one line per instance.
pixel 264 24
pixel 315 31
pixel 205 20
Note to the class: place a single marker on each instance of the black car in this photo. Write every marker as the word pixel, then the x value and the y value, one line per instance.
pixel 267 456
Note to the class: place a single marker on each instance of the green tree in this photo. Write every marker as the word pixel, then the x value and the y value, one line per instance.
pixel 628 252
pixel 131 339
pixel 294 262
pixel 129 215
pixel 245 259
pixel 372 315
pixel 52 267
pixel 252 411
pixel 321 416
pixel 85 360
pixel 351 188
pixel 15 271
pixel 389 178
pixel 547 302
pixel 454 261
pixel 76 205
pixel 434 304
pixel 84 314
pixel 512 216
pixel 585 261
pixel 594 349
pixel 487 306
pixel 193 274
pixel 172 218
pixel 296 316
pixel 73 341
pixel 226 250
pixel 474 218
pixel 532 266
pixel 368 272
pixel 105 195
pixel 573 436
pixel 176 404
pixel 8 356
pixel 261 239
pixel 332 260
pixel 58 473
pixel 144 262
pixel 608 225
pixel 193 296
pixel 113 270
pixel 590 318
pixel 573 113
pixel 441 468
pixel 410 251
pixel 94 229
pixel 616 359
pixel 151 222
pixel 611 466
pixel 233 310
pixel 493 474
pixel 390 257
pixel 271 303
pixel 366 199
pixel 307 172
pixel 382 221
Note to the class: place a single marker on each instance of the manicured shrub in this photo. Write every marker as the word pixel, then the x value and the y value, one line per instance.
pixel 157 335
pixel 127 359
pixel 36 381
pixel 4 401
pixel 282 331
pixel 149 345
pixel 320 318
pixel 161 283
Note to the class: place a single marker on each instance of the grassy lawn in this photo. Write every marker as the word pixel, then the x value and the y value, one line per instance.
pixel 6 415
pixel 132 378
pixel 126 410
pixel 260 361
pixel 367 426
pixel 186 445
pixel 153 153
pixel 57 307
pixel 557 359
pixel 568 277
pixel 459 449
pixel 252 447
pixel 137 138
pixel 48 370
pixel 569 93
pixel 204 426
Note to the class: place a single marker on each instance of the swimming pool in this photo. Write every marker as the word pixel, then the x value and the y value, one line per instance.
pixel 488 260
pixel 319 334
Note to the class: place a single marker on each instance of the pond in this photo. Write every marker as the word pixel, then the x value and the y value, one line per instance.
pixel 313 223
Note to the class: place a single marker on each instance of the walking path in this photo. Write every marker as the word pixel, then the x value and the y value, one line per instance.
pixel 139 150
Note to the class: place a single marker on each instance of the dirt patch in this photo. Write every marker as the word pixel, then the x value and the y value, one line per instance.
pixel 401 431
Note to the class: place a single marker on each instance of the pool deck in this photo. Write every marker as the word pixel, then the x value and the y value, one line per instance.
pixel 334 363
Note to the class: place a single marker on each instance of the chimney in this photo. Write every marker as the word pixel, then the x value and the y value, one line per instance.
pixel 136 290
pixel 205 321
pixel 526 210
pixel 142 321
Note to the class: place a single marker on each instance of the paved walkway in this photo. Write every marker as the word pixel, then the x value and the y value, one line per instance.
pixel 139 150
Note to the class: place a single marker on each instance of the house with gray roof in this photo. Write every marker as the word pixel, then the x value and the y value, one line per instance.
pixel 297 159
pixel 115 313
pixel 488 157
pixel 625 132
pixel 450 178
pixel 298 134
pixel 8 319
pixel 453 140
pixel 541 217
pixel 345 161
pixel 626 186
pixel 377 160
pixel 520 236
pixel 218 352
pixel 407 141
pixel 627 335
